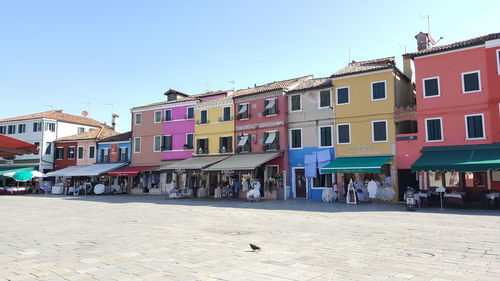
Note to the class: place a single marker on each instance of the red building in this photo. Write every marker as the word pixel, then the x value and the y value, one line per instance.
pixel 261 124
pixel 458 112
pixel 65 154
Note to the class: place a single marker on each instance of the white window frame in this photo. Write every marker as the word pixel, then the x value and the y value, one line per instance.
pixel 140 144
pixel 337 95
pixel 386 131
pixel 301 138
pixel 248 110
pixel 165 115
pixel 90 150
pixel 319 99
pixel 300 103
pixel 479 82
pixel 338 135
pixel 385 90
pixel 427 132
pixel 74 152
pixel 317 176
pixel 154 116
pixel 331 132
pixel 201 118
pixel 187 113
pixel 56 155
pixel 135 119
pixel 439 87
pixel 498 61
pixel 277 109
pixel 187 141
pixel 83 152
pixel 467 128
pixel 222 114
pixel 154 143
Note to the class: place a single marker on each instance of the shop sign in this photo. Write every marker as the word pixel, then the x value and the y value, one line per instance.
pixel 362 147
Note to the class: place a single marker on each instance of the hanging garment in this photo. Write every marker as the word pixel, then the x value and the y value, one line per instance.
pixel 323 158
pixel 245 185
pixel 311 165
pixel 372 189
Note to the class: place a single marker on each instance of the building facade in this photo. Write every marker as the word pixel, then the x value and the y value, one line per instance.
pixel 310 131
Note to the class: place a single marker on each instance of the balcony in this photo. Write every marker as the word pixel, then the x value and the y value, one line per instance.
pixel 271 111
pixel 271 146
pixel 244 115
pixel 200 122
pixel 244 148
pixel 221 119
pixel 103 159
pixel 226 150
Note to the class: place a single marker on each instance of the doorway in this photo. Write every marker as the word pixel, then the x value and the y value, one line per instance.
pixel 299 183
pixel 406 178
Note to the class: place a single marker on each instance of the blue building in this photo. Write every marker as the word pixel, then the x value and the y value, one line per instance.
pixel 114 149
pixel 311 141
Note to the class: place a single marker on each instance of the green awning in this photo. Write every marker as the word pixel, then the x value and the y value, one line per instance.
pixel 463 158
pixel 371 164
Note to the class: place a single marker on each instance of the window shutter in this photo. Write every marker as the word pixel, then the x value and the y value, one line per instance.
pixel 229 144
pixel 277 139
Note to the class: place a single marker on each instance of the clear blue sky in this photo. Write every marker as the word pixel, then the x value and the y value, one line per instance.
pixel 66 54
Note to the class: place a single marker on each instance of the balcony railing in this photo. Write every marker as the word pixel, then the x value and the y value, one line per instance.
pixel 271 146
pixel 243 116
pixel 244 148
pixel 271 111
pixel 200 122
pixel 202 151
pixel 226 150
pixel 222 119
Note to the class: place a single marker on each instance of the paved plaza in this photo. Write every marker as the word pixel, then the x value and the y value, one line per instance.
pixel 150 238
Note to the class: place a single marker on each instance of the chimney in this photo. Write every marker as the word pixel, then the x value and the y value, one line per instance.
pixel 422 41
pixel 115 122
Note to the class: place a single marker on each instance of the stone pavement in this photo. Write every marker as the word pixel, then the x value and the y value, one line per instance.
pixel 149 238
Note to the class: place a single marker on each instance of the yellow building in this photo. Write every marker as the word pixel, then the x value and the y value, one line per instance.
pixel 214 130
pixel 366 94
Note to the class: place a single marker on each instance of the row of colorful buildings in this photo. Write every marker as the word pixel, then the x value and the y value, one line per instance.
pixel 432 123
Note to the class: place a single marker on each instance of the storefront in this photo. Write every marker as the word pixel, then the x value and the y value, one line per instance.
pixel 469 173
pixel 235 175
pixel 130 177
pixel 188 179
pixel 361 171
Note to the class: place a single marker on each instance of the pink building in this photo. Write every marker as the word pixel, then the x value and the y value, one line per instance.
pixel 458 108
pixel 261 124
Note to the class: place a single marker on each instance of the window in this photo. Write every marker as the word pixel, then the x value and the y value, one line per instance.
pixel 433 129
pixel 49 126
pixel 379 131
pixel 71 152
pixel 322 180
pixel 202 146
pixel 271 107
pixel 271 140
pixel 123 154
pixel 295 103
pixel 225 144
pixel 137 145
pixel 81 130
pixel 37 144
pixel 189 141
pixel 431 87
pixel 378 90
pixel 91 152
pixel 168 115
pixel 138 119
pixel 325 99
pixel 2 130
pixel 156 143
pixel 226 114
pixel 104 155
pixel 343 95
pixel 296 138
pixel 471 82
pixel 344 133
pixel 157 117
pixel 166 143
pixel 80 152
pixel 60 153
pixel 37 126
pixel 11 129
pixel 21 128
pixel 244 143
pixel 498 61
pixel 475 126
pixel 48 148
pixel 325 136
pixel 190 113
pixel 203 117
pixel 243 111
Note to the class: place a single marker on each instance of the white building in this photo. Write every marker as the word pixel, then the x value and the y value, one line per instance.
pixel 42 129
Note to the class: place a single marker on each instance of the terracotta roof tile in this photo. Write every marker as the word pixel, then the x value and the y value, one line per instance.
pixel 182 99
pixel 121 137
pixel 60 116
pixel 457 45
pixel 366 66
pixel 276 85
pixel 317 83
pixel 94 134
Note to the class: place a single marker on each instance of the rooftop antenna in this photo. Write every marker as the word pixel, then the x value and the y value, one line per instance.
pixel 428 17
pixel 51 107
pixel 403 46
pixel 209 86
pixel 112 108
pixel 88 106
pixel 232 82
pixel 348 53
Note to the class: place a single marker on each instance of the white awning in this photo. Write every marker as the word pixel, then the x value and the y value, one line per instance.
pixel 195 163
pixel 270 103
pixel 243 162
pixel 270 138
pixel 66 172
pixel 243 108
pixel 86 171
pixel 243 140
